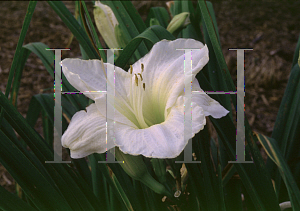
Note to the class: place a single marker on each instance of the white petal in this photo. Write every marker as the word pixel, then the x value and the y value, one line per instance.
pixel 164 69
pixel 121 112
pixel 86 133
pixel 210 106
pixel 87 75
pixel 165 140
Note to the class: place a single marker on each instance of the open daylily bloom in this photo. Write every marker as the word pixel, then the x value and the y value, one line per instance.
pixel 149 103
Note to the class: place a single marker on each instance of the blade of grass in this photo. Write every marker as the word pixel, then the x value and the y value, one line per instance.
pixel 285 130
pixel 33 112
pixel 221 194
pixel 18 75
pixel 216 79
pixel 130 22
pixel 161 14
pixel 41 192
pixel 206 167
pixel 126 184
pixel 189 31
pixel 70 185
pixel 296 54
pixel 99 184
pixel 275 154
pixel 233 197
pixel 93 32
pixel 263 180
pixel 196 180
pixel 153 34
pixel 9 201
pixel 47 57
pixel 47 128
pixel 46 101
pixel 112 181
pixel 217 49
pixel 245 170
pixel 196 20
pixel 75 28
pixel 193 204
pixel 16 59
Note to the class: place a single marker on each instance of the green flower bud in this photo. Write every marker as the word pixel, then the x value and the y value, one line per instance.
pixel 135 167
pixel 154 21
pixel 179 22
pixel 106 21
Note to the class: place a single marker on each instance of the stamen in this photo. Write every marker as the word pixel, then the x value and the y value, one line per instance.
pixel 136 80
pixel 141 76
pixel 144 86
pixel 131 69
pixel 142 67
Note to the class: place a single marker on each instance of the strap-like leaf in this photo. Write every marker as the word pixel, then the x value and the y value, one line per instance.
pixel 161 14
pixel 9 201
pixel 40 191
pixel 152 34
pixel 67 181
pixel 275 154
pixel 67 17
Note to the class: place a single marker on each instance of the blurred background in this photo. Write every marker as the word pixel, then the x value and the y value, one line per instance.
pixel 271 28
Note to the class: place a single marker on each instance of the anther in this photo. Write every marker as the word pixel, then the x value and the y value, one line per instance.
pixel 136 80
pixel 144 86
pixel 131 69
pixel 141 76
pixel 142 67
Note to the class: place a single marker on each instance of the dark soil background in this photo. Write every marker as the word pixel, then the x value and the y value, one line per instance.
pixel 271 28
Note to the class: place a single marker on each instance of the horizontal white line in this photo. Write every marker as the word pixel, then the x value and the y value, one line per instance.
pixel 193 92
pixel 200 92
pixel 87 92
pixel 179 49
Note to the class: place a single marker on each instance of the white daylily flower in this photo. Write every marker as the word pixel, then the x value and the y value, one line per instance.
pixel 149 103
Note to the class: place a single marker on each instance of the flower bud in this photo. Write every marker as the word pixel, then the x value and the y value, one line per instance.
pixel 135 167
pixel 179 22
pixel 154 21
pixel 106 21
